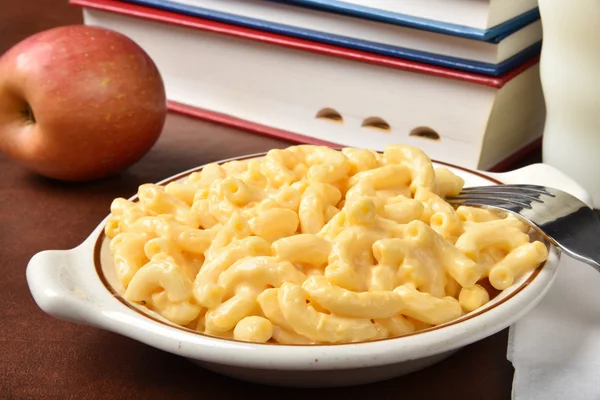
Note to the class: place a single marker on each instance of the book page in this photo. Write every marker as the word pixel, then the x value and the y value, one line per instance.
pixel 471 13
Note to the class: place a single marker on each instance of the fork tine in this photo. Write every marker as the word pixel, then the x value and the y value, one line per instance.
pixel 536 188
pixel 499 195
pixel 519 189
pixel 533 188
pixel 476 200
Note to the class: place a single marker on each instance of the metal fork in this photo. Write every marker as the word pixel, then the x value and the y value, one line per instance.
pixel 563 219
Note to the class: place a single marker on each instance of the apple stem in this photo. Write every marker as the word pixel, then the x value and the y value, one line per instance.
pixel 28 113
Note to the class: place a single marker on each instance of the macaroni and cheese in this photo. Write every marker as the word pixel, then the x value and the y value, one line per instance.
pixel 313 245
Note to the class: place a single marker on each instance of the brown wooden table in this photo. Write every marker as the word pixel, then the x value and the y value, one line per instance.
pixel 42 357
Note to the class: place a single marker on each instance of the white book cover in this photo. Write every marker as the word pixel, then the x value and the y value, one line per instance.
pixel 484 18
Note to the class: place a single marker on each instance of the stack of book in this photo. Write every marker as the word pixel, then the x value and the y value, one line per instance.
pixel 457 78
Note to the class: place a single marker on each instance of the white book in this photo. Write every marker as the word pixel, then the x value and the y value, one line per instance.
pixel 452 47
pixel 476 14
pixel 331 94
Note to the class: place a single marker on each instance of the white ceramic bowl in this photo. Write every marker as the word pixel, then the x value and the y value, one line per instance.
pixel 80 285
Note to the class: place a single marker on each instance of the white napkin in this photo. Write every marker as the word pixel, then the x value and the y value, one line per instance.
pixel 555 348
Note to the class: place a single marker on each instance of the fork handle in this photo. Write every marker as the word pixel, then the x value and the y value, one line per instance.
pixel 582 245
pixel 594 263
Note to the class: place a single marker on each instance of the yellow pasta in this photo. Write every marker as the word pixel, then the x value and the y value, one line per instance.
pixel 253 329
pixel 310 245
pixel 471 298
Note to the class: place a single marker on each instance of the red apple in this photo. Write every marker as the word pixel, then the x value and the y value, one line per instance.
pixel 79 103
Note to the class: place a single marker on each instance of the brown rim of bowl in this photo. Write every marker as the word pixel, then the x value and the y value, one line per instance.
pixel 114 293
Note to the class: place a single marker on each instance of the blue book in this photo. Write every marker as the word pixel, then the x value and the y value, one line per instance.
pixel 486 20
pixel 490 52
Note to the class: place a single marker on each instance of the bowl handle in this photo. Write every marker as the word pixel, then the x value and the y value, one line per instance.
pixel 544 175
pixel 59 288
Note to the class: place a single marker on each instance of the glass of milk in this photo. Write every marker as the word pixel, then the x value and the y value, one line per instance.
pixel 570 74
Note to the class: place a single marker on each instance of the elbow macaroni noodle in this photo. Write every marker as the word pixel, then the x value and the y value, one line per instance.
pixel 313 245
